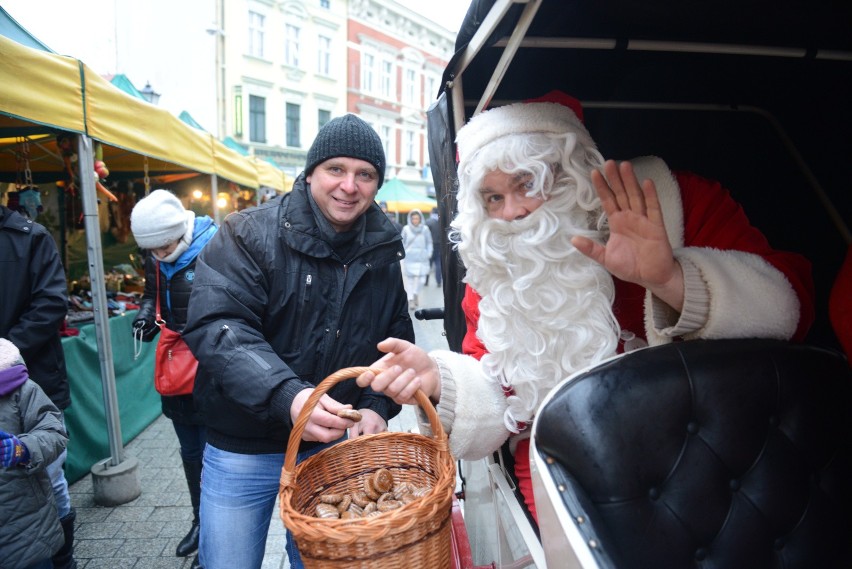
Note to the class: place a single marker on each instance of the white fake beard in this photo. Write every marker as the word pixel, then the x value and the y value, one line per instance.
pixel 546 309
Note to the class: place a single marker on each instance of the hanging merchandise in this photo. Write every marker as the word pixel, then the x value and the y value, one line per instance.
pixel 29 202
pixel 100 171
pixel 72 199
pixel 147 178
pixel 26 199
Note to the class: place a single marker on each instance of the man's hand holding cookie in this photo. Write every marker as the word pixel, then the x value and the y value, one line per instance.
pixel 350 414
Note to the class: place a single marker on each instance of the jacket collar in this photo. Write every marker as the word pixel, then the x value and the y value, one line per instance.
pixel 298 226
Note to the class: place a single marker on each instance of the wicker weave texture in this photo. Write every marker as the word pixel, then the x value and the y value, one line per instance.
pixel 415 536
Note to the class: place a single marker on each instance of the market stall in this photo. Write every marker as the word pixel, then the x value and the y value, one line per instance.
pixel 138 402
pixel 402 199
pixel 58 121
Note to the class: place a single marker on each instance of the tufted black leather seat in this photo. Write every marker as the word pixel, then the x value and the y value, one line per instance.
pixel 715 454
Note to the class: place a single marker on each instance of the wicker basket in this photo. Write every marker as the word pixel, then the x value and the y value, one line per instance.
pixel 415 536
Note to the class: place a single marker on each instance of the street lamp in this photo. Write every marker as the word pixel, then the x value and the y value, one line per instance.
pixel 217 30
pixel 150 95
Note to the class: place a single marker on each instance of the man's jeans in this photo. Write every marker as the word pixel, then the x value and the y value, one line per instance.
pixel 238 493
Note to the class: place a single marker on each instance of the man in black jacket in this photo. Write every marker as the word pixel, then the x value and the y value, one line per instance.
pixel 33 308
pixel 286 294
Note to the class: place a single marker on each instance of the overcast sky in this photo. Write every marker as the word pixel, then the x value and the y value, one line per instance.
pixel 84 29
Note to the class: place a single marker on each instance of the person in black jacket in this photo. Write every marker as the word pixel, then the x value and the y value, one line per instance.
pixel 33 308
pixel 286 294
pixel 173 237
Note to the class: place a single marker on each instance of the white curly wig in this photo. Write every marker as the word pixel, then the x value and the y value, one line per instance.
pixel 546 309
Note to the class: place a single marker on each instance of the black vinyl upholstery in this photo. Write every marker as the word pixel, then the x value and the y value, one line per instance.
pixel 715 454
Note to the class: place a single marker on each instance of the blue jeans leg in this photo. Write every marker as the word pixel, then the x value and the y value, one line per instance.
pixel 192 439
pixel 56 472
pixel 291 548
pixel 238 493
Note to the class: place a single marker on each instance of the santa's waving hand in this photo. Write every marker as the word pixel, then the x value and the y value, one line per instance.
pixel 638 249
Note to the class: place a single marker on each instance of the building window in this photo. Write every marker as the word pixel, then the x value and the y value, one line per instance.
pixel 430 92
pixel 324 55
pixel 294 125
pixel 367 73
pixel 410 147
pixel 386 141
pixel 409 88
pixel 291 46
pixel 238 112
pixel 325 4
pixel 387 79
pixel 323 117
pixel 255 34
pixel 257 119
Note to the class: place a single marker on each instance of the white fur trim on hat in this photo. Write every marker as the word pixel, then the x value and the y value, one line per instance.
pixel 9 354
pixel 517 118
pixel 158 219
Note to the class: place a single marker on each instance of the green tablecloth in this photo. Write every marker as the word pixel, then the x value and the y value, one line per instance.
pixel 138 402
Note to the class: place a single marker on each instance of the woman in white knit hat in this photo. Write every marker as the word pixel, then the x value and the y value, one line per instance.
pixel 174 237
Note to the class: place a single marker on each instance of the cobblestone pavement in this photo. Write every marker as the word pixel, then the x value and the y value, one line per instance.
pixel 145 532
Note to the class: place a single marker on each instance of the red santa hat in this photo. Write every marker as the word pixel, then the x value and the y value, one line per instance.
pixel 553 113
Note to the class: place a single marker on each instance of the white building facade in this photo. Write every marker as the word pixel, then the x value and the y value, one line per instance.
pixel 287 67
pixel 283 74
pixel 395 61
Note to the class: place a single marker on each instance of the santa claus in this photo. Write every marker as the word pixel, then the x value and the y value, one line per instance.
pixel 571 260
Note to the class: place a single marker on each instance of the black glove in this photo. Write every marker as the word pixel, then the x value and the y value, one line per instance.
pixel 147 327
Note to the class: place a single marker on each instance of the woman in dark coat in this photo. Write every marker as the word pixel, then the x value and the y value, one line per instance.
pixel 174 237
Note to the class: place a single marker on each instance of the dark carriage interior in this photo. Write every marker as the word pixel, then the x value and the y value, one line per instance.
pixel 774 129
pixel 744 465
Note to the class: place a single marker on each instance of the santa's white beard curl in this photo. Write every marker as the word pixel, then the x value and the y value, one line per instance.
pixel 546 309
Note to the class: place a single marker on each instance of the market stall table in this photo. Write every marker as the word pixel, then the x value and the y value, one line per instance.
pixel 138 402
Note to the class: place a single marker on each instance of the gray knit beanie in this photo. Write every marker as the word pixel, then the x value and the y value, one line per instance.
pixel 158 219
pixel 347 136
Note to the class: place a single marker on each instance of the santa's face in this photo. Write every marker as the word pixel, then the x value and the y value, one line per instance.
pixel 545 309
pixel 507 196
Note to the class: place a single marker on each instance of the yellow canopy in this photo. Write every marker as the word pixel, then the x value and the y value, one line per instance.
pixel 402 199
pixel 272 177
pixel 45 93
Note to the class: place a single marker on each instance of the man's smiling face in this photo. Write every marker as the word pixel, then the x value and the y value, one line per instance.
pixel 343 188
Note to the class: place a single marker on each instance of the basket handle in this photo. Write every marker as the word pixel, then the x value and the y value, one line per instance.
pixel 320 390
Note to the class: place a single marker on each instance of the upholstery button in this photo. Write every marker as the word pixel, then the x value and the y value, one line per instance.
pixel 692 427
pixel 734 485
pixel 653 493
pixel 700 554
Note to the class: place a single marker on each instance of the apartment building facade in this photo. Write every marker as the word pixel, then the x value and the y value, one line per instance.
pixel 282 74
pixel 284 68
pixel 395 59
